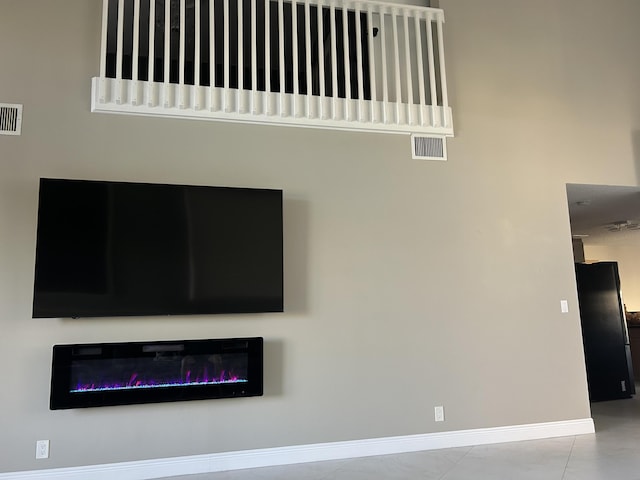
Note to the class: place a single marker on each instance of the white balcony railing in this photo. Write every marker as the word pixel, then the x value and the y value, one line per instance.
pixel 362 65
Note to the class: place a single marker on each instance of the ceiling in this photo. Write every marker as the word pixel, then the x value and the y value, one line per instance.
pixel 593 209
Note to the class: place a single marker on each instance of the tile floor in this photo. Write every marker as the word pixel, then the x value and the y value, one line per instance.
pixel 612 453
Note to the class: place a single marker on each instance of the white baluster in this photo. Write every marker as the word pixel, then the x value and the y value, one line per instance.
pixel 372 66
pixel 254 60
pixel 407 59
pixel 133 94
pixel 359 62
pixel 432 72
pixel 167 53
pixel 334 59
pixel 213 103
pixel 197 101
pixel 102 93
pixel 281 66
pixel 267 56
pixel 420 67
pixel 240 46
pixel 322 89
pixel 347 67
pixel 443 75
pixel 150 85
pixel 307 50
pixel 181 55
pixel 295 111
pixel 396 51
pixel 385 81
pixel 119 42
pixel 225 65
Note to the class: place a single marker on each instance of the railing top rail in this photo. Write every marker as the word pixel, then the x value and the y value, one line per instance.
pixel 364 5
pixel 377 6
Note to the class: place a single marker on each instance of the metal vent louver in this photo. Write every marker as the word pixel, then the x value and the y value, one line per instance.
pixel 10 119
pixel 428 147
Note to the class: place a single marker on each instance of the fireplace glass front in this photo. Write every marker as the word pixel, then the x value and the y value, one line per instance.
pixel 90 375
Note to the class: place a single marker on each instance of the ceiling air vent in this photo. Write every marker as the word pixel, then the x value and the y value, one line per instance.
pixel 10 119
pixel 428 147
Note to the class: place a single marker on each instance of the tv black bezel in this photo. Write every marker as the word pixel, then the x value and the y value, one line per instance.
pixel 276 305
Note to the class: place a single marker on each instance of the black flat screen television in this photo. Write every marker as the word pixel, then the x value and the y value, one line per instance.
pixel 123 249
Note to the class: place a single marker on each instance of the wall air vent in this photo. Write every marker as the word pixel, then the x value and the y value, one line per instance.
pixel 10 119
pixel 428 147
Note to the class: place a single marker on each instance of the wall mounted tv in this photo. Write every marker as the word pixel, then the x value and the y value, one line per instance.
pixel 123 249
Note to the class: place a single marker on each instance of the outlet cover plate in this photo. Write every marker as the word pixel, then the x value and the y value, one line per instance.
pixel 42 449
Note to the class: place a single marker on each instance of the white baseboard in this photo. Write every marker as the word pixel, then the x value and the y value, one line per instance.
pixel 217 462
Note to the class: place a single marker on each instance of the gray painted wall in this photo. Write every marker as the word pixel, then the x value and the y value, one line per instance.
pixel 408 284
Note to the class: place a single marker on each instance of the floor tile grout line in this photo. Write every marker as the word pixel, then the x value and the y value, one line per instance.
pixel 456 463
pixel 564 472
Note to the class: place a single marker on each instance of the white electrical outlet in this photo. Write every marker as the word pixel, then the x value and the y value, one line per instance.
pixel 439 413
pixel 42 449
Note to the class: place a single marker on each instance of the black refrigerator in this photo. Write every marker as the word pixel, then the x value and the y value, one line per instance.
pixel 604 332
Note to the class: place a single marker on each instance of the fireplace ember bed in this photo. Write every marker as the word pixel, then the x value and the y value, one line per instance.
pixel 102 374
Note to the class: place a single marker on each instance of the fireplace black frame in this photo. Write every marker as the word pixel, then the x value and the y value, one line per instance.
pixel 66 358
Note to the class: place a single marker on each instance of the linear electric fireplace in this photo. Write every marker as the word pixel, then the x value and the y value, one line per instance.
pixel 101 374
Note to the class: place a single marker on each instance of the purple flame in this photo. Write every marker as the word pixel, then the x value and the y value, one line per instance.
pixel 135 382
